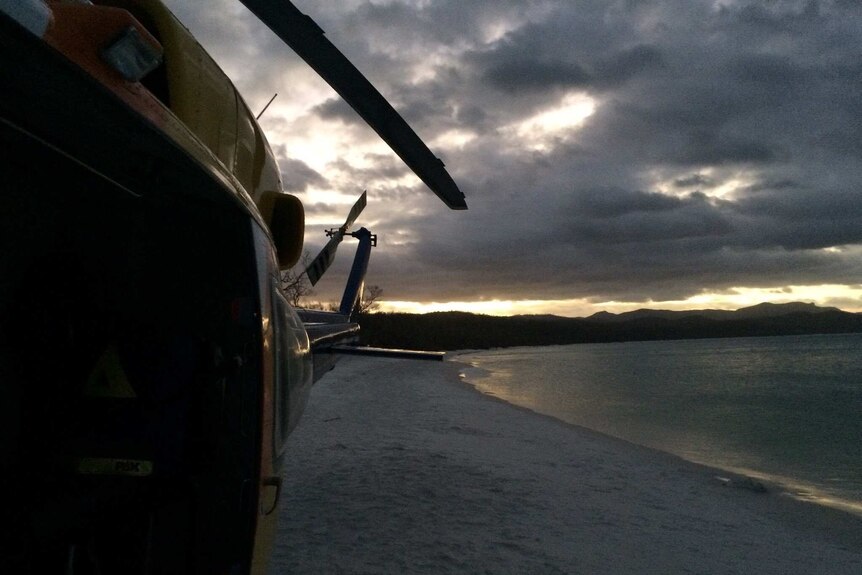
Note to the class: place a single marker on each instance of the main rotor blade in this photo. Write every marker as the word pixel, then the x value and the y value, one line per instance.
pixel 306 38
pixel 321 263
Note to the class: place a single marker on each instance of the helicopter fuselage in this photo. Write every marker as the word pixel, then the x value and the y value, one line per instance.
pixel 151 367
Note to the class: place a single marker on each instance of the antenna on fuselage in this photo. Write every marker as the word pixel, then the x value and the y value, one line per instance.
pixel 267 106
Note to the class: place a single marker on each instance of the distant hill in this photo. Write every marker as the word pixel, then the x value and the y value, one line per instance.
pixel 460 330
pixel 761 310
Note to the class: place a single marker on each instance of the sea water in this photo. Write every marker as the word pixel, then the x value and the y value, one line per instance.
pixel 786 409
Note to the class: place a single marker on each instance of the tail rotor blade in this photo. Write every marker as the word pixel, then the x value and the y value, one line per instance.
pixel 321 263
pixel 354 212
pixel 306 38
pixel 324 259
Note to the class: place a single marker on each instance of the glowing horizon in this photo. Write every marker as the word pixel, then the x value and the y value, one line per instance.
pixel 845 297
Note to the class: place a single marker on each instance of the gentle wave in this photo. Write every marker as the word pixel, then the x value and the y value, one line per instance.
pixel 784 409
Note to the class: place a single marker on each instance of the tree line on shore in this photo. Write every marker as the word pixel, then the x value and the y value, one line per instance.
pixel 444 331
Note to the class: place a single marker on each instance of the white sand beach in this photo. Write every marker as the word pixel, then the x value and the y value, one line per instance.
pixel 397 467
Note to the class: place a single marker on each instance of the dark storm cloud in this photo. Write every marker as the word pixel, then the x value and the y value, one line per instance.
pixel 380 167
pixel 693 181
pixel 298 176
pixel 521 74
pixel 606 203
pixel 336 109
pixel 513 68
pixel 725 148
pixel 628 63
pixel 319 208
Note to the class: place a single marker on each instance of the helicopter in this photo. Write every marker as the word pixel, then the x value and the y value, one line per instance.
pixel 151 368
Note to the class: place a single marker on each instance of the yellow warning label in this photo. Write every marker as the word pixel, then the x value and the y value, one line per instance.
pixel 108 378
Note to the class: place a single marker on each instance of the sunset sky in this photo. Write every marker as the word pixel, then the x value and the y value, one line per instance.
pixel 614 154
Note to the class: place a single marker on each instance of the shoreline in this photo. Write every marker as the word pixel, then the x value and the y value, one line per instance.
pixel 823 510
pixel 795 489
pixel 399 467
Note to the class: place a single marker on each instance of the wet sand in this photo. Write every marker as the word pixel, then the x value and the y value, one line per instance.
pixel 398 467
